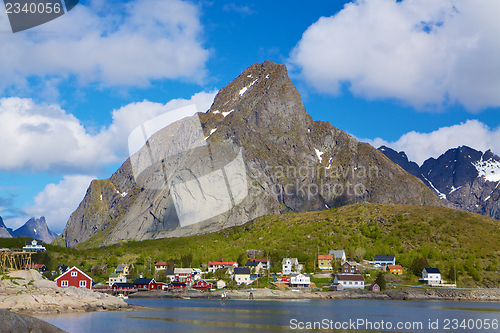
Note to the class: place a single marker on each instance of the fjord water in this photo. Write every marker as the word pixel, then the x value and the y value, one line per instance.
pixel 191 315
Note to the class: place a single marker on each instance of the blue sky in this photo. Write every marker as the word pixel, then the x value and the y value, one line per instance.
pixel 420 76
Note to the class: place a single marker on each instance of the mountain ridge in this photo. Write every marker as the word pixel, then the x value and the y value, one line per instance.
pixel 256 139
pixel 33 228
pixel 465 178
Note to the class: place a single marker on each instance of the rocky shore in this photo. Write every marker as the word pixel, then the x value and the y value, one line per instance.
pixel 28 292
pixel 479 295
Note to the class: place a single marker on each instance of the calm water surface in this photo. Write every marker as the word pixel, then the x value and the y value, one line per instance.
pixel 191 315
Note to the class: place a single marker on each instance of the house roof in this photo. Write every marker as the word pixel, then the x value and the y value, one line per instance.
pixel 432 270
pixel 238 270
pixel 384 257
pixel 169 272
pixel 114 274
pixel 72 269
pixel 350 277
pixel 394 267
pixel 143 281
pixel 178 284
pixel 183 270
pixel 297 274
pixel 32 266
pixel 262 260
pixel 121 267
pixel 293 260
pixel 212 263
pixel 325 256
pixel 252 263
pixel 161 263
pixel 338 253
pixel 123 285
pixel 98 267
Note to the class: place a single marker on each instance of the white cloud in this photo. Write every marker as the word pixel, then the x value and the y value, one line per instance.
pixel 58 201
pixel 45 137
pixel 111 44
pixel 420 146
pixel 241 9
pixel 425 53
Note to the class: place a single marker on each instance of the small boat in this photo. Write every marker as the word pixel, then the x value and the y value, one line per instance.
pixel 121 296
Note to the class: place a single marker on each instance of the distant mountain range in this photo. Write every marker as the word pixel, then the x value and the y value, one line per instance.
pixel 256 151
pixel 33 228
pixel 463 178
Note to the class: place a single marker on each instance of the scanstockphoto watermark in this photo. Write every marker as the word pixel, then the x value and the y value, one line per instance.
pixel 26 14
pixel 324 181
pixel 356 324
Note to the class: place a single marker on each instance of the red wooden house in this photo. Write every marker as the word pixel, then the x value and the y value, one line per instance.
pixel 74 278
pixel 147 284
pixel 122 286
pixel 202 284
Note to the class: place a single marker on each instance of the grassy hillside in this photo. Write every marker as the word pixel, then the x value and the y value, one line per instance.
pixel 444 236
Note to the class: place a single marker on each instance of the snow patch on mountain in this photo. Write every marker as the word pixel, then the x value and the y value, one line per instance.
pixel 319 153
pixel 490 169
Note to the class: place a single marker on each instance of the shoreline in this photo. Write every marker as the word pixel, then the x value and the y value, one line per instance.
pixel 403 294
pixel 27 292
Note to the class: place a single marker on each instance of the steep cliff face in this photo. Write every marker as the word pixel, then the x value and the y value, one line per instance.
pixel 255 151
pixel 462 177
pixel 4 232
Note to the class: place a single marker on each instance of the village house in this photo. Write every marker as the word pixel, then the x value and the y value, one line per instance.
pixel 183 275
pixel 215 265
pixel 395 269
pixel 176 286
pixel 431 275
pixel 146 284
pixel 350 280
pixel 383 260
pixel 349 268
pixel 338 255
pixel 291 265
pixel 34 246
pixel 74 278
pixel 325 261
pixel 300 280
pixel 374 287
pixel 125 269
pixel 203 285
pixel 40 267
pixel 255 266
pixel 96 269
pixel 266 263
pixel 242 275
pixel 116 278
pixel 221 284
pixel 123 287
pixel 336 287
pixel 170 275
pixel 160 266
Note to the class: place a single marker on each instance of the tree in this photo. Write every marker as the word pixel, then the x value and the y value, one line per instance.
pixel 360 253
pixel 186 259
pixel 220 274
pixel 418 265
pixel 380 280
pixel 452 273
pixel 242 259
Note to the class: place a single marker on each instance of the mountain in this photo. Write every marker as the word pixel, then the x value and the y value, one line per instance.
pixel 4 232
pixel 36 229
pixel 256 151
pixel 466 178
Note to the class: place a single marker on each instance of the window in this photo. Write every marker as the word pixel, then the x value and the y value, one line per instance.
pixel 83 284
pixel 74 273
pixel 64 283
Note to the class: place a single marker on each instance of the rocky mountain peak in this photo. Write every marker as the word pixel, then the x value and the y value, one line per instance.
pixel 37 229
pixel 263 97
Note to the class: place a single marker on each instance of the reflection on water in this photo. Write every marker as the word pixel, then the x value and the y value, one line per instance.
pixel 206 316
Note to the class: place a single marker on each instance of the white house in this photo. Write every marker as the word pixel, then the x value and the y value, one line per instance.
pixel 300 280
pixel 291 264
pixel 34 246
pixel 383 260
pixel 338 255
pixel 352 281
pixel 242 275
pixel 215 265
pixel 431 275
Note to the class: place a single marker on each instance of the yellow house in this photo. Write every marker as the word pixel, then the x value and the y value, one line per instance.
pixel 325 261
pixel 395 269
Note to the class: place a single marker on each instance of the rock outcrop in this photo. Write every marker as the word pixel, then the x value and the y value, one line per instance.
pixel 15 322
pixel 36 229
pixel 256 151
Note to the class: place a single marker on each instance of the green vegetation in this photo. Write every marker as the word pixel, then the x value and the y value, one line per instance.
pixel 444 237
